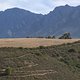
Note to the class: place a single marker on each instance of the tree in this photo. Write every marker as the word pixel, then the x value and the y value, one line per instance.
pixel 53 37
pixel 49 37
pixel 65 36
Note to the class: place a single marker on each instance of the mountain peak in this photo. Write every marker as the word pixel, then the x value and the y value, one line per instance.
pixel 15 9
pixel 67 5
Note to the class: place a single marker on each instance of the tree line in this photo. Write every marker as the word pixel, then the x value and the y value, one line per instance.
pixel 65 35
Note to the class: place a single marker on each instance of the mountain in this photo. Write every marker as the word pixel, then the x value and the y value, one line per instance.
pixel 17 22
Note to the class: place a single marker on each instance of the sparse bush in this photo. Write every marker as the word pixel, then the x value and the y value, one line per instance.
pixel 8 71
pixel 20 47
pixel 41 47
pixel 63 60
pixel 68 43
pixel 71 50
pixel 53 55
pixel 79 57
pixel 37 54
pixel 78 65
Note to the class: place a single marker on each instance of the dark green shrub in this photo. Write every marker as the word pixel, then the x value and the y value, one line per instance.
pixel 79 57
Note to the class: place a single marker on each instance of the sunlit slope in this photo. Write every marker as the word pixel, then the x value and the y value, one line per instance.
pixel 33 42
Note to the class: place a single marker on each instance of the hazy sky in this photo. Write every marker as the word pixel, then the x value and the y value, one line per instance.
pixel 38 6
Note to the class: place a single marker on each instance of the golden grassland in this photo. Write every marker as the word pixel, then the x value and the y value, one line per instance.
pixel 33 42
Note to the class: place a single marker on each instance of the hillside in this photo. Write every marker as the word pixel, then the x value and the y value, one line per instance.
pixel 60 62
pixel 17 22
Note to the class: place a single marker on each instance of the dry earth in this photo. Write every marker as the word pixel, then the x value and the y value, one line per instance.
pixel 33 42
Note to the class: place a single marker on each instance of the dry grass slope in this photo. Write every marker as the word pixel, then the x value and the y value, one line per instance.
pixel 33 42
pixel 60 62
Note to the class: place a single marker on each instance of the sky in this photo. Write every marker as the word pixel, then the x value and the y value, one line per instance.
pixel 36 6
